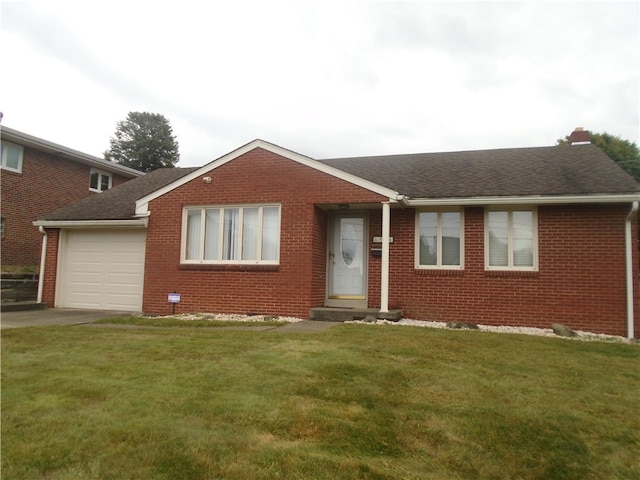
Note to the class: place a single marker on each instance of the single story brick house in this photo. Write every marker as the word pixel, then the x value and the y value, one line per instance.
pixel 524 237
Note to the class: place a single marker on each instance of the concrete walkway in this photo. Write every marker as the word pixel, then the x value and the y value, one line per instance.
pixel 72 316
pixel 55 316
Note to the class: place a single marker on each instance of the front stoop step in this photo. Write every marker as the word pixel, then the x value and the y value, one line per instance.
pixel 332 314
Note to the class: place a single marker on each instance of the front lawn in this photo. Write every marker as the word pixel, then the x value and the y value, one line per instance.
pixel 354 401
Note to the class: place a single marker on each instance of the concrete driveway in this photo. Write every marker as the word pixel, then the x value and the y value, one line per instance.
pixel 55 316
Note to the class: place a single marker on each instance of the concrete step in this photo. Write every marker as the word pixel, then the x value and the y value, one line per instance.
pixel 22 306
pixel 333 314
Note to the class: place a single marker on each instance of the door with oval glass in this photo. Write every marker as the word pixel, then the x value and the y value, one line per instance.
pixel 347 260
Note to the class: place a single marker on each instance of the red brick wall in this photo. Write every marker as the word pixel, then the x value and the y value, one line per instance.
pixel 580 282
pixel 47 182
pixel 50 268
pixel 319 257
pixel 290 288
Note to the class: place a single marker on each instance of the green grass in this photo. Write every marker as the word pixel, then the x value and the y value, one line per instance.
pixel 354 401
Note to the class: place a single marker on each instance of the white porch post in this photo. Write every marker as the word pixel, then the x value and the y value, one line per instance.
pixel 384 273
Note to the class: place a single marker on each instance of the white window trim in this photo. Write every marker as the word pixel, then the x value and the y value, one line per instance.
pixel 3 162
pixel 511 267
pixel 439 266
pixel 202 261
pixel 102 173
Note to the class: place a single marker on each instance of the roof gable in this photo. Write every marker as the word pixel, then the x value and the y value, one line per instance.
pixel 142 204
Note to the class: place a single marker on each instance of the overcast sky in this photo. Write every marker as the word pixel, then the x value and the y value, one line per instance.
pixel 326 79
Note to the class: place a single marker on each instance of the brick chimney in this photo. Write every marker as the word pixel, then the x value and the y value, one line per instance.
pixel 579 136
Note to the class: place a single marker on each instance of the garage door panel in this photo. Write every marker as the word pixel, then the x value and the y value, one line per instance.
pixel 119 288
pixel 86 287
pixel 124 268
pixel 85 300
pixel 126 258
pixel 86 277
pixel 88 264
pixel 118 302
pixel 122 282
pixel 104 269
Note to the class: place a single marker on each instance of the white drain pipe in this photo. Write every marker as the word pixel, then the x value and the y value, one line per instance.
pixel 629 260
pixel 43 258
pixel 384 273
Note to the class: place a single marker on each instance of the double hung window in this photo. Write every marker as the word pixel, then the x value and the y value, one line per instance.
pixel 11 155
pixel 231 234
pixel 99 181
pixel 511 239
pixel 439 239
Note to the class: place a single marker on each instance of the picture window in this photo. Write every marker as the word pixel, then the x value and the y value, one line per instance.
pixel 231 234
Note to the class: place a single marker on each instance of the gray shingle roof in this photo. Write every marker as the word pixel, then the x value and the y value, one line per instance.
pixel 119 202
pixel 564 170
pixel 559 170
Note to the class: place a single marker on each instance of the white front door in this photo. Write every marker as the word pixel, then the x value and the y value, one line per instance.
pixel 347 260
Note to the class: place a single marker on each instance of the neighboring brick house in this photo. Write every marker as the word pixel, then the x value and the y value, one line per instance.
pixel 38 177
pixel 524 237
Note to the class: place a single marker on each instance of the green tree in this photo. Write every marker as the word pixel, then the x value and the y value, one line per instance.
pixel 144 142
pixel 623 152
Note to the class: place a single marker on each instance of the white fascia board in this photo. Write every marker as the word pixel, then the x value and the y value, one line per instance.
pixel 143 203
pixel 24 139
pixel 525 200
pixel 142 222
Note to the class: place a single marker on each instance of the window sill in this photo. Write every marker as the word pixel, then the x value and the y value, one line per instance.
pixel 440 272
pixel 229 267
pixel 11 170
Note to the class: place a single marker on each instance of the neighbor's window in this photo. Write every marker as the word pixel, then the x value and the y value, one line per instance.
pixel 511 239
pixel 231 234
pixel 439 239
pixel 99 181
pixel 11 156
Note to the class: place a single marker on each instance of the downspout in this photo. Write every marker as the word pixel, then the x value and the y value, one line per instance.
pixel 384 273
pixel 43 258
pixel 629 260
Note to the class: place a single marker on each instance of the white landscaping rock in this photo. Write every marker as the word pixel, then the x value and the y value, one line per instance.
pixel 543 332
pixel 230 317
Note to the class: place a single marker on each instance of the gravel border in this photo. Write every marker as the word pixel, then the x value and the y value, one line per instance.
pixel 229 317
pixel 541 332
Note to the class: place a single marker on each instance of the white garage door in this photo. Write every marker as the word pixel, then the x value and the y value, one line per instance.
pixel 103 269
